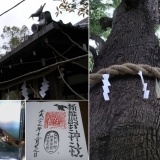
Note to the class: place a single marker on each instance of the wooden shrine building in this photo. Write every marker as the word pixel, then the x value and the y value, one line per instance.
pixel 56 51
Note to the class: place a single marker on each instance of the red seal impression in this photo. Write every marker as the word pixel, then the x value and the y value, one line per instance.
pixel 55 120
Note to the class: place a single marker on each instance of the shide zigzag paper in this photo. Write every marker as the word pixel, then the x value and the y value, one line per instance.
pixel 24 91
pixel 146 92
pixel 44 87
pixel 105 86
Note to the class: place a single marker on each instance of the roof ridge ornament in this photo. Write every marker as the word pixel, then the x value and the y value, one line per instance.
pixel 38 12
pixel 44 19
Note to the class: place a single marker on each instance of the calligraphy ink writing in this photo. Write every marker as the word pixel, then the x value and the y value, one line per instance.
pixel 73 132
pixel 39 127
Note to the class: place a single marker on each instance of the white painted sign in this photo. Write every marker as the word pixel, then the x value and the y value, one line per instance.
pixel 54 131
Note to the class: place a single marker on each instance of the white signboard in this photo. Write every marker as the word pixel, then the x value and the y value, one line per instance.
pixel 54 131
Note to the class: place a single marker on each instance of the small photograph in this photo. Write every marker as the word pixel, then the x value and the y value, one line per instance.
pixel 12 130
pixel 44 55
pixel 56 130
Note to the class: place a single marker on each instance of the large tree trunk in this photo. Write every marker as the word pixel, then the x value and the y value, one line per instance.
pixel 127 127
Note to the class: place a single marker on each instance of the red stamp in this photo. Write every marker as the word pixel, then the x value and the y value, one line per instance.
pixel 55 120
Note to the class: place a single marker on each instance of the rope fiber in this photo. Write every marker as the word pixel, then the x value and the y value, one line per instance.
pixel 127 68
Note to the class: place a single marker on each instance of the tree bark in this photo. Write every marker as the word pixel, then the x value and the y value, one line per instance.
pixel 127 127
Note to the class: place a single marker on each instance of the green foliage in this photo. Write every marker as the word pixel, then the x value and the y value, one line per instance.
pixel 156 28
pixel 116 3
pixel 14 35
pixel 99 9
pixel 81 6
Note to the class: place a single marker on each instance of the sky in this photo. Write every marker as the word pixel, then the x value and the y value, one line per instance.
pixel 9 111
pixel 19 16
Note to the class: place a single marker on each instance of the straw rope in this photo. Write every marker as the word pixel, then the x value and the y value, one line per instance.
pixel 127 68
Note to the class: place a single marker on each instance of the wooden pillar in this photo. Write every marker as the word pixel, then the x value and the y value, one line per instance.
pixel 17 92
pixel 55 88
pixel 36 89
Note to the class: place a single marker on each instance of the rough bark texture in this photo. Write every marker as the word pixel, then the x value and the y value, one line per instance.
pixel 127 127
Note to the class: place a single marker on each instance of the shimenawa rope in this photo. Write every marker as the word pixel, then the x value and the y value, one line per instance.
pixel 127 68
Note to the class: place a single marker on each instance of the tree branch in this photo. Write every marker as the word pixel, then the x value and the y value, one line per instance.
pixel 131 4
pixel 105 22
pixel 99 41
pixel 73 41
pixel 36 92
pixel 66 82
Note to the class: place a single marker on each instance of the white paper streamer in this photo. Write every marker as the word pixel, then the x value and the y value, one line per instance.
pixel 44 87
pixel 146 92
pixel 24 91
pixel 105 86
pixel 157 88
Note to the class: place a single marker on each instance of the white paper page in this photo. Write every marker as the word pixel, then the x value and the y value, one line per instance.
pixel 54 131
